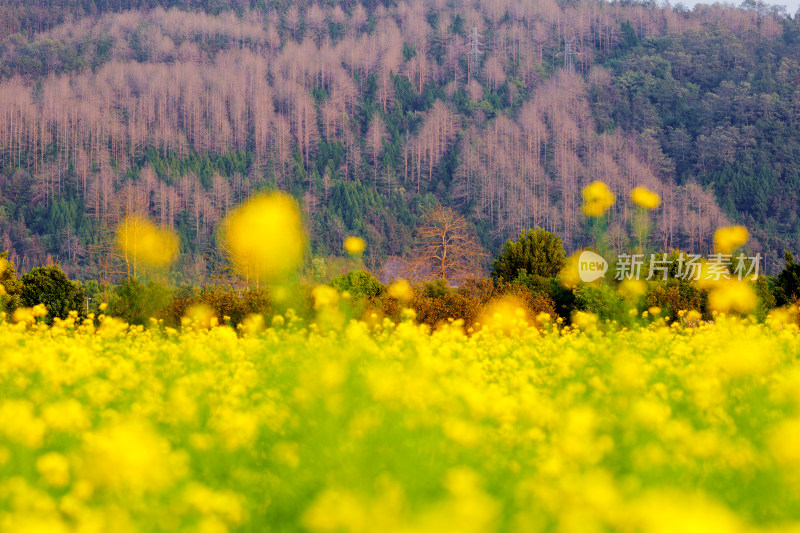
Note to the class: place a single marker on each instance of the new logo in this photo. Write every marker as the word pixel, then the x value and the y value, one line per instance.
pixel 591 266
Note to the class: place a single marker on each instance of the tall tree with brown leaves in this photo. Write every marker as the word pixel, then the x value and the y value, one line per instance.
pixel 445 247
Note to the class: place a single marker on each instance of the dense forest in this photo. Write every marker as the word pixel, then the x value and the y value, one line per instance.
pixel 367 113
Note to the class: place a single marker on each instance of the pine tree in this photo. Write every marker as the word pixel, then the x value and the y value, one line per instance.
pixel 538 252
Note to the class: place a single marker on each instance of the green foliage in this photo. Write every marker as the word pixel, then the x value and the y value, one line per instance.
pixel 563 298
pixel 714 103
pixel 435 303
pixel 136 302
pixel 229 306
pixel 9 296
pixel 602 300
pixel 359 283
pixel 787 285
pixel 674 295
pixel 319 270
pixel 537 252
pixel 409 51
pixel 51 287
pixel 766 297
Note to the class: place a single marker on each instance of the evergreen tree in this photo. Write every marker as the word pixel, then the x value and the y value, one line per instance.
pixel 51 287
pixel 787 290
pixel 537 252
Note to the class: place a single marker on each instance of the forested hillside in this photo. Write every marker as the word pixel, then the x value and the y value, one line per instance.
pixel 368 112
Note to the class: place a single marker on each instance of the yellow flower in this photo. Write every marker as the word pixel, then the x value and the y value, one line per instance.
pixel 354 245
pixel 202 316
pixel 584 320
pixel 54 468
pixel 21 424
pixel 597 198
pixel 401 290
pixel 783 442
pixel 324 296
pixel 23 314
pixel 144 242
pixel 728 239
pixel 633 288
pixel 265 236
pixel 732 295
pixel 129 455
pixel 504 315
pixel 253 324
pixel 693 316
pixel 644 197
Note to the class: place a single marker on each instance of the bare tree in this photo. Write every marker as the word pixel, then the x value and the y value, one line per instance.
pixel 445 247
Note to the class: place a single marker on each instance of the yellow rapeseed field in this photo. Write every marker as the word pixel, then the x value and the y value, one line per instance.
pixel 381 427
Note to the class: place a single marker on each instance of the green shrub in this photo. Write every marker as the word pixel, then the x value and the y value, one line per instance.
pixel 536 252
pixel 535 301
pixel 50 286
pixel 359 283
pixel 435 303
pixel 674 295
pixel 9 295
pixel 563 298
pixel 602 300
pixel 136 302
pixel 787 284
pixel 223 300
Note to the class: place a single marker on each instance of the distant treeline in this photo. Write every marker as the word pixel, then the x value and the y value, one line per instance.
pixel 369 113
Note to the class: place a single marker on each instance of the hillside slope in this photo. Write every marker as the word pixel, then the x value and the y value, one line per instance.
pixel 367 113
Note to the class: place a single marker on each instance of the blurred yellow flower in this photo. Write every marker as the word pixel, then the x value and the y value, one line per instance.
pixel 201 316
pixel 401 290
pixel 644 197
pixel 354 245
pixel 22 314
pixel 265 236
pixel 584 320
pixel 570 276
pixel 324 296
pixel 729 238
pixel 253 324
pixel 597 198
pixel 783 443
pixel 54 468
pixel 632 288
pixel 504 315
pixel 21 424
pixel 144 242
pixel 130 455
pixel 732 295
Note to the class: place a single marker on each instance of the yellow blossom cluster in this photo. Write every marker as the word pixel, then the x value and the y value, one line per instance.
pixel 728 239
pixel 644 197
pixel 524 424
pixel 144 242
pixel 597 199
pixel 265 237
pixel 354 245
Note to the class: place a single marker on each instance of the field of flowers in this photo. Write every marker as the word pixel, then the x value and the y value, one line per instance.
pixel 380 427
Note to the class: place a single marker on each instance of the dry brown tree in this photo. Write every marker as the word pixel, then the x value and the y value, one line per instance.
pixel 445 247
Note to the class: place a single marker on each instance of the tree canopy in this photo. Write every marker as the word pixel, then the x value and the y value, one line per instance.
pixel 537 252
